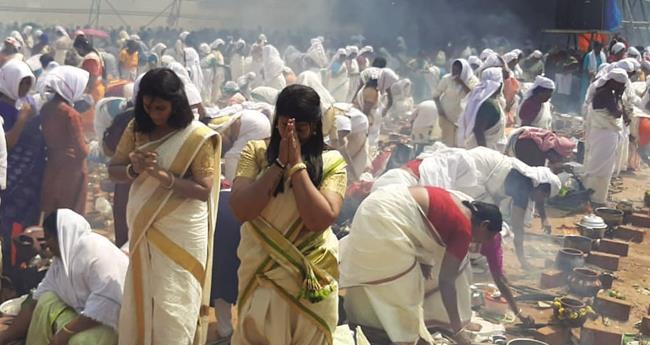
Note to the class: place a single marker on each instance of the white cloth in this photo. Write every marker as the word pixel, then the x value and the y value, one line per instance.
pixel 452 94
pixel 273 66
pixel 193 64
pixel 602 148
pixel 617 74
pixel 389 237
pixel 338 80
pixel 314 80
pixel 89 275
pixel 387 78
pixel 191 91
pixel 494 167
pixel 66 81
pixel 254 126
pixel 451 169
pixel 392 177
pixel 490 84
pixel 425 118
pixel 544 118
pixel 265 94
pixel 618 47
pixel 540 81
pixel 11 74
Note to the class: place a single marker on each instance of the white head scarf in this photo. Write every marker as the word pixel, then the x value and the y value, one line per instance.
pixel 349 50
pixel 158 48
pixel 387 78
pixel 509 57
pixel 536 54
pixel 540 81
pixel 370 73
pixel 632 52
pixel 86 257
pixel 618 47
pixel 645 65
pixel 68 82
pixel 265 94
pixel 492 60
pixel 273 63
pixel 617 74
pixel 204 48
pixel 466 72
pixel 474 60
pixel 61 30
pixel 191 91
pixel 11 74
pixel 492 79
pixel 183 35
pixel 366 50
pixel 316 53
pixel 486 53
pixel 401 89
pixel 217 43
pixel 311 79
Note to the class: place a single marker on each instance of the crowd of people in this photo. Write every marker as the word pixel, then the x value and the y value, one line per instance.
pixel 231 162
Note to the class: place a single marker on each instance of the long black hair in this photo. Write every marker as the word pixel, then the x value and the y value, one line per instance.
pixel 303 104
pixel 162 83
pixel 482 211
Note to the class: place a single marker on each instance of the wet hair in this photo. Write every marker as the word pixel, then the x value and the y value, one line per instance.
pixel 162 83
pixel 482 211
pixel 303 104
pixel 49 225
pixel 379 62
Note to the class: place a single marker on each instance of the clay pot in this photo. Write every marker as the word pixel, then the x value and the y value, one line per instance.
pixel 568 259
pixel 611 216
pixel 584 282
pixel 581 243
pixel 571 305
pixel 607 280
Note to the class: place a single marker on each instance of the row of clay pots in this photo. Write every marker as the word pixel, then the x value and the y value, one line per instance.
pixel 582 280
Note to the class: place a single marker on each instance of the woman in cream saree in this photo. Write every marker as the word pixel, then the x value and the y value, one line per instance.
pixel 171 212
pixel 405 264
pixel 288 292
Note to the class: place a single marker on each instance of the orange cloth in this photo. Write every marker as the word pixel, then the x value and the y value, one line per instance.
pixel 584 41
pixel 510 89
pixel 129 61
pixel 66 176
pixel 644 131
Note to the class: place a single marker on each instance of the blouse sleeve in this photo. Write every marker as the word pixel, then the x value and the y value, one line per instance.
pixel 125 146
pixel 335 181
pixel 249 165
pixel 92 67
pixel 204 163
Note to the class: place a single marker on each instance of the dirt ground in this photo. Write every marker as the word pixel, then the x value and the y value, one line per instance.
pixel 633 277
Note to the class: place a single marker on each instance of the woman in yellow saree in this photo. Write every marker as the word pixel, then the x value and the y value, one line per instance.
pixel 173 163
pixel 287 193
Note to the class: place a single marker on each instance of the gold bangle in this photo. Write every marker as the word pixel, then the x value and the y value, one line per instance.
pixel 67 330
pixel 294 169
pixel 173 181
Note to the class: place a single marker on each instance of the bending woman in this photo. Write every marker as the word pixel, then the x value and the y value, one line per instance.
pixel 287 193
pixel 78 301
pixel 402 239
pixel 173 163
